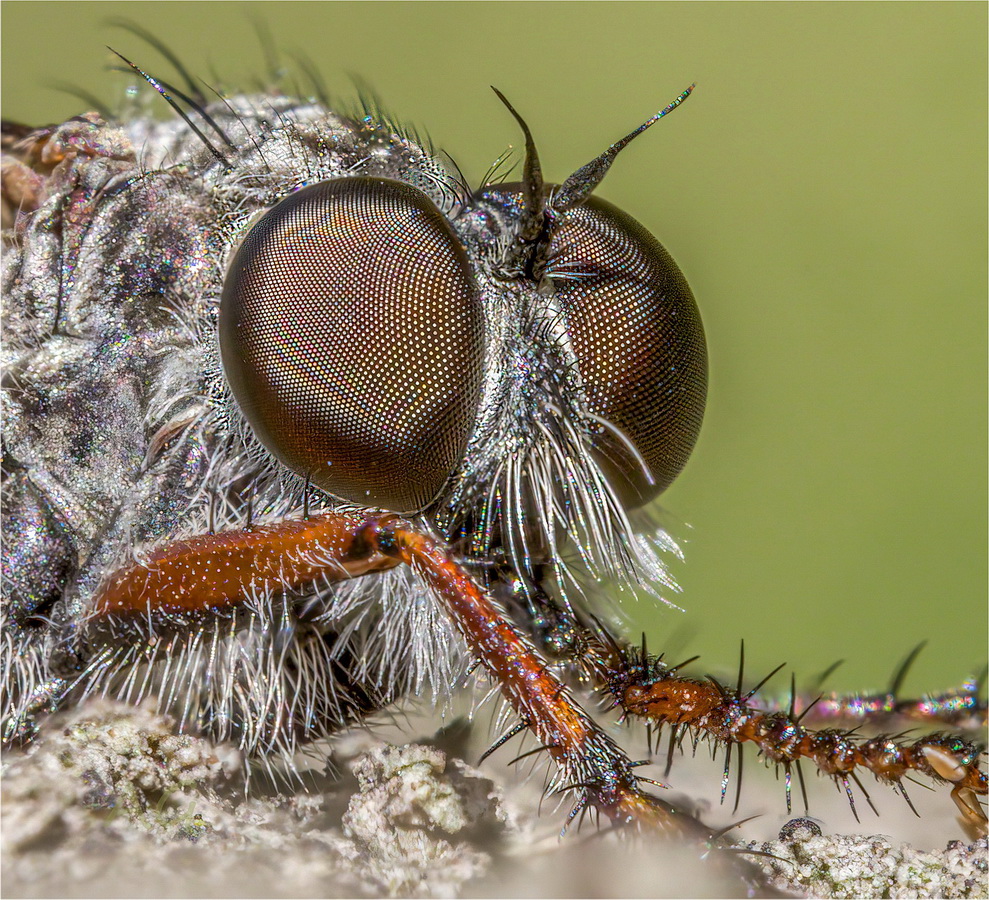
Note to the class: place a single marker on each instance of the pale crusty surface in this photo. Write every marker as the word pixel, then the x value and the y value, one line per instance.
pixel 111 801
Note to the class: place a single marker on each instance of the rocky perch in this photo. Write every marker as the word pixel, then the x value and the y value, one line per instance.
pixel 110 801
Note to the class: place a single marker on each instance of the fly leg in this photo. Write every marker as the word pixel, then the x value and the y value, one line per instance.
pixel 214 573
pixel 588 760
pixel 645 687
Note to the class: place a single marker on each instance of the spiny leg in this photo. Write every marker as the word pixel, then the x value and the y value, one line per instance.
pixel 216 572
pixel 655 693
pixel 587 758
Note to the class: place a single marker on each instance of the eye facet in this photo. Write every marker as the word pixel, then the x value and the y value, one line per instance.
pixel 352 338
pixel 639 342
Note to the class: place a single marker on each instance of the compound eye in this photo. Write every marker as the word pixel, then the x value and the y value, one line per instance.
pixel 351 333
pixel 639 342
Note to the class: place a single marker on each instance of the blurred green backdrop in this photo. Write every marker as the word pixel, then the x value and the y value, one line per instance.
pixel 825 193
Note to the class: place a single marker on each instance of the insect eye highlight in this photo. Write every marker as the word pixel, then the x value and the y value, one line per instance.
pixel 351 334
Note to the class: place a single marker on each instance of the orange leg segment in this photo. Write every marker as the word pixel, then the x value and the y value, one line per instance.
pixel 217 570
pixel 643 687
pixel 587 757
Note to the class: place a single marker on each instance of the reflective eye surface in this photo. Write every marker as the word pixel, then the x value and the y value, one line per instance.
pixel 352 339
pixel 639 342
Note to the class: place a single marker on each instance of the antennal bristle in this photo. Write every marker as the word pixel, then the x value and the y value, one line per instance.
pixel 532 179
pixel 579 186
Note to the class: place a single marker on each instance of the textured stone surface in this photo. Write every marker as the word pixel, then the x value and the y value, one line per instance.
pixel 873 866
pixel 111 802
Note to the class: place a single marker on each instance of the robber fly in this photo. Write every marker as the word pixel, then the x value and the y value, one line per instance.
pixel 296 424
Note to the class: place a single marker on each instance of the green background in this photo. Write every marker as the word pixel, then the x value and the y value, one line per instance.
pixel 824 191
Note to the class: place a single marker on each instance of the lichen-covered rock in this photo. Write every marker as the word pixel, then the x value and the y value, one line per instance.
pixel 419 822
pixel 121 768
pixel 110 801
pixel 872 866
